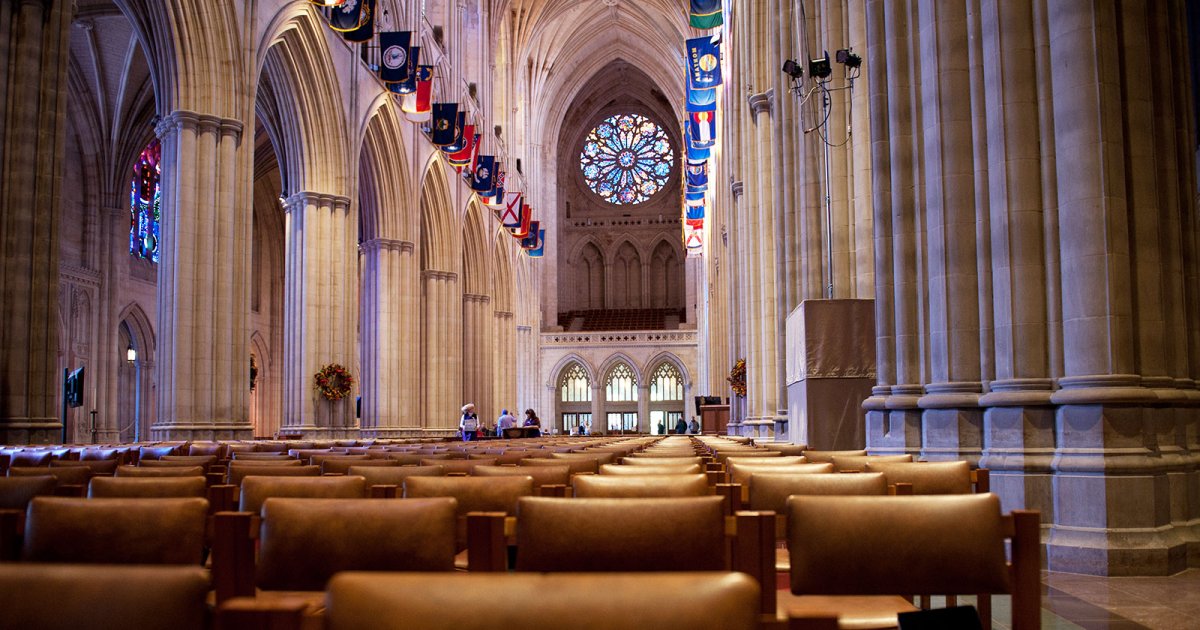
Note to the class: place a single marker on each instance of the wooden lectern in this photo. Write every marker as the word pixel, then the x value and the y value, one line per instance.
pixel 714 418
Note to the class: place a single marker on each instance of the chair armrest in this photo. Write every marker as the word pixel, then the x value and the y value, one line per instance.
pixel 733 496
pixel 385 491
pixel 11 524
pixel 222 498
pixel 233 555
pixel 558 490
pixel 754 553
pixel 214 478
pixel 900 489
pixel 488 550
pixel 248 613
pixel 982 479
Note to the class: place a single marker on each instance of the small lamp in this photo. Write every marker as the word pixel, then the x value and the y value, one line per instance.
pixel 130 354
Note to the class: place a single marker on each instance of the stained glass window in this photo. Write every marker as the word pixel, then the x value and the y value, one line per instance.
pixel 666 384
pixel 626 159
pixel 575 385
pixel 145 203
pixel 621 386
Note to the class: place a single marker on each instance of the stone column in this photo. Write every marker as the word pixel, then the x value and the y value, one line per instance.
pixel 763 383
pixel 203 280
pixel 33 94
pixel 952 420
pixel 1107 517
pixel 442 387
pixel 477 354
pixel 1018 420
pixel 320 312
pixel 643 405
pixel 388 338
pixel 599 420
pixel 738 304
pixel 505 363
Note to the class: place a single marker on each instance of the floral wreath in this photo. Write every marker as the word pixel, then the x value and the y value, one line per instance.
pixel 333 381
pixel 737 378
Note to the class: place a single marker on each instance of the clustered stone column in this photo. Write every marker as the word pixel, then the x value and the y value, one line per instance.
pixel 389 334
pixel 504 368
pixel 320 312
pixel 477 343
pixel 1032 175
pixel 33 96
pixel 441 352
pixel 203 280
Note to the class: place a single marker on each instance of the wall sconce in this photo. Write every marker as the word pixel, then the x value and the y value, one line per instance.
pixel 130 354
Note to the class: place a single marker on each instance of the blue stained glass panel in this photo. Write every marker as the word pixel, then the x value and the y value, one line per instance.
pixel 626 159
pixel 145 203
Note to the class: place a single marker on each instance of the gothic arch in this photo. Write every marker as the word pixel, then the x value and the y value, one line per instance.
pixel 639 374
pixel 384 189
pixel 266 388
pixel 135 384
pixel 438 241
pixel 668 357
pixel 557 371
pixel 476 254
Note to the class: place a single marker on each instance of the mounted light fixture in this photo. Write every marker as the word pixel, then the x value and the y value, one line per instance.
pixel 820 67
pixel 848 58
pixel 793 69
pixel 130 354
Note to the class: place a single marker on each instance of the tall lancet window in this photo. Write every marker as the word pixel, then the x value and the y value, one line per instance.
pixel 626 159
pixel 145 203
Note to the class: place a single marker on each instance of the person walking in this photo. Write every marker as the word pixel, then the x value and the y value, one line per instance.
pixel 468 424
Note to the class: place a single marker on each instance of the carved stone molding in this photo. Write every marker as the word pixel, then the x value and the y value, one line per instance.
pixel 762 102
pixel 388 245
pixel 183 119
pixel 305 197
pixel 434 274
pixel 477 298
pixel 737 188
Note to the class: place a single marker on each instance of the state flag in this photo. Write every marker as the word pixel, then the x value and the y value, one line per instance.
pixel 416 105
pixel 704 62
pixel 393 56
pixel 481 178
pixel 444 117
pixel 366 24
pixel 460 138
pixel 510 213
pixel 702 127
pixel 346 16
pixel 462 157
pixel 694 198
pixel 522 228
pixel 409 84
pixel 534 239
pixel 536 252
pixel 705 14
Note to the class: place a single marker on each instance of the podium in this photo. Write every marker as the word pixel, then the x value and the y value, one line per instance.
pixel 714 418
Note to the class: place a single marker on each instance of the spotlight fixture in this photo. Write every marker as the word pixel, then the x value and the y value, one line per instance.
pixel 793 69
pixel 820 68
pixel 847 57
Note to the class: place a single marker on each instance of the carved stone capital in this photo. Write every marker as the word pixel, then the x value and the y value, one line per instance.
pixel 182 119
pixel 737 188
pixel 434 274
pixel 305 197
pixel 762 102
pixel 387 245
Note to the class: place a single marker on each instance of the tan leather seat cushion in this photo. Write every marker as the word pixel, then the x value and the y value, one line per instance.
pixel 474 494
pixel 305 541
pixel 635 460
pixel 115 531
pixel 619 601
pixel 17 492
pixel 892 545
pixel 459 465
pixel 827 456
pixel 63 475
pixel 770 491
pixel 623 486
pixel 577 466
pixel 147 487
pixel 104 597
pixel 665 469
pixel 257 489
pixel 673 534
pixel 600 457
pixel 927 477
pixel 166 471
pixel 393 475
pixel 787 449
pixel 541 475
pixel 842 463
pixel 238 472
pixel 97 466
pixel 740 473
pixel 341 466
pixel 782 460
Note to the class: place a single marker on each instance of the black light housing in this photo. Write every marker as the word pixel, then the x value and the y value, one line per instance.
pixel 847 57
pixel 793 69
pixel 820 68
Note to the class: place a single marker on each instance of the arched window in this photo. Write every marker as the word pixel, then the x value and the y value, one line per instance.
pixel 621 386
pixel 145 203
pixel 666 384
pixel 626 159
pixel 575 386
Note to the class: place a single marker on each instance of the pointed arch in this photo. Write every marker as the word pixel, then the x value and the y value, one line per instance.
pixel 665 271
pixel 666 356
pixel 617 358
pixel 477 264
pixel 384 189
pixel 135 391
pixel 438 241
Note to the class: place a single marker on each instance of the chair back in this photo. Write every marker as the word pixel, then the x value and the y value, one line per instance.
pixel 304 542
pixel 340 466
pixel 155 452
pixel 600 457
pixel 827 456
pixel 115 531
pixel 147 487
pixel 740 473
pixel 639 470
pixel 393 475
pixel 782 460
pixel 927 477
pixel 103 597
pixel 474 494
pixel 637 460
pixel 541 475
pixel 97 466
pixel 63 475
pixel 461 466
pixel 583 535
pixel 642 486
pixel 238 472
pixel 256 489
pixel 787 449
pixel 858 463
pixel 697 601
pixel 162 471
pixel 577 466
pixel 16 492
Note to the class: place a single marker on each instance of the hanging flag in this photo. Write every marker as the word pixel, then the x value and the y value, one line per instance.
pixel 346 16
pixel 366 25
pixel 510 214
pixel 705 14
pixel 495 196
pixel 328 3
pixel 695 216
pixel 704 62
pixel 409 84
pixel 536 252
pixel 415 105
pixel 701 100
pixel 523 226
pixel 533 241
pixel 694 242
pixel 703 129
pixel 481 178
pixel 460 138
pixel 694 154
pixel 444 117
pixel 393 56
pixel 697 176
pixel 462 157
pixel 694 199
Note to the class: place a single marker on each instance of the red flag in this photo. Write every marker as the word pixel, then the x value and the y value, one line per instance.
pixel 462 157
pixel 416 105
pixel 523 230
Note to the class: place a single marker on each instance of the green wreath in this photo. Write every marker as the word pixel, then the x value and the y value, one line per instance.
pixel 333 381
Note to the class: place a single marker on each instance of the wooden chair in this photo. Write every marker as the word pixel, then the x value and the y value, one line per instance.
pixel 495 495
pixel 642 486
pixel 15 495
pixel 147 452
pixel 738 488
pixel 657 469
pixel 781 460
pixel 238 472
pixel 598 457
pixel 858 463
pixel 826 457
pixel 616 601
pixel 257 489
pixel 69 481
pixel 304 542
pixel 97 466
pixel 387 482
pixel 933 477
pixel 164 471
pixel 458 466
pixel 103 597
pixel 636 460
pixel 340 466
pixel 147 487
pixel 115 531
pixel 892 546
pixel 578 466
pixel 786 449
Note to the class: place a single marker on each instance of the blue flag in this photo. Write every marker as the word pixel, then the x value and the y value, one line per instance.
pixel 694 153
pixel 409 84
pixel 694 199
pixel 536 252
pixel 697 177
pixel 347 16
pixel 702 129
pixel 481 177
pixel 442 130
pixel 393 56
pixel 460 139
pixel 704 63
pixel 533 241
pixel 366 24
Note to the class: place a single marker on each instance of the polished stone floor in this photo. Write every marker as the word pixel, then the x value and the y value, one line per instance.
pixel 1124 603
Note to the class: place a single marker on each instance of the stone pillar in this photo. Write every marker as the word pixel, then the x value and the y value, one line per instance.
pixel 643 389
pixel 389 338
pixel 33 94
pixel 320 312
pixel 599 420
pixel 738 304
pixel 763 380
pixel 441 373
pixel 505 363
pixel 477 354
pixel 203 281
pixel 952 420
